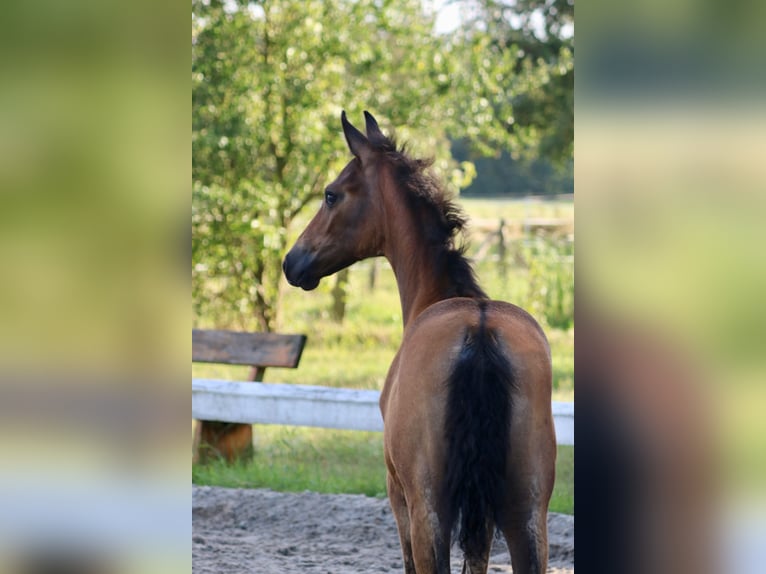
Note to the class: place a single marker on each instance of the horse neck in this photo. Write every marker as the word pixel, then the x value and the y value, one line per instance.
pixel 421 283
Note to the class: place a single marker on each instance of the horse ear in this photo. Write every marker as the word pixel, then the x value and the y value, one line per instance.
pixel 373 130
pixel 357 142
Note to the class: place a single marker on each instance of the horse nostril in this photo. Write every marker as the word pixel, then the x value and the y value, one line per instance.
pixel 287 264
pixel 293 266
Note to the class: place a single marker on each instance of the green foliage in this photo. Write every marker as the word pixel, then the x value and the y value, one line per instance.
pixel 551 280
pixel 269 80
pixel 260 122
pixel 502 176
pixel 521 77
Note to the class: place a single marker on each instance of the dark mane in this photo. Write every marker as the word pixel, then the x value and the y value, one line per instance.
pixel 446 219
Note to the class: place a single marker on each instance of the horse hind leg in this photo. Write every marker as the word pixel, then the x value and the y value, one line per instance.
pixel 401 514
pixel 526 533
pixel 530 474
pixel 525 521
pixel 430 542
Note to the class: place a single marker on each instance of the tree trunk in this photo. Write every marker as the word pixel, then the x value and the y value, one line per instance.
pixel 339 296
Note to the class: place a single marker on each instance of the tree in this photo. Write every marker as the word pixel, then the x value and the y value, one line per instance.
pixel 269 80
pixel 519 62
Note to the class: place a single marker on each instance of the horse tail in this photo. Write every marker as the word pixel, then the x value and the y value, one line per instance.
pixel 477 430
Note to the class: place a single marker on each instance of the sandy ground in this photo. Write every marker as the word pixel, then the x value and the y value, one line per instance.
pixel 261 531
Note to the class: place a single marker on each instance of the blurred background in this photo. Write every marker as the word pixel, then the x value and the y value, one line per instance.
pixel 94 307
pixel 669 357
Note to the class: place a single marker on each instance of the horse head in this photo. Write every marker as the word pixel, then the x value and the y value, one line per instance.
pixel 349 224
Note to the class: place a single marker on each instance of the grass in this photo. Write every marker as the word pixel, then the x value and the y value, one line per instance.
pixel 356 354
pixel 293 459
pixel 562 499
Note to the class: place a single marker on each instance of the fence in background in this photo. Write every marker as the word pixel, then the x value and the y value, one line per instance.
pixel 313 406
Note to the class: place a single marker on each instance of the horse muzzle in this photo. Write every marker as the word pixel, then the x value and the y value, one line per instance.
pixel 298 269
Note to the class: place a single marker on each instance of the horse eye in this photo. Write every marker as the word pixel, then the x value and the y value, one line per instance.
pixel 330 197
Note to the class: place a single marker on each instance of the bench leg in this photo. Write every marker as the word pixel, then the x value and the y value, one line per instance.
pixel 213 439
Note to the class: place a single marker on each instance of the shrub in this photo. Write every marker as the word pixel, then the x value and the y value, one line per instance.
pixel 551 280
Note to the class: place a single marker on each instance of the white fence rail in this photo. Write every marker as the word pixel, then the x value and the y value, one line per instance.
pixel 304 405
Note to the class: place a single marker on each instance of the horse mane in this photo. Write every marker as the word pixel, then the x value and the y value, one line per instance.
pixel 427 196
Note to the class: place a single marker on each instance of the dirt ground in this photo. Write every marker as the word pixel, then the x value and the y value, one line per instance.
pixel 261 531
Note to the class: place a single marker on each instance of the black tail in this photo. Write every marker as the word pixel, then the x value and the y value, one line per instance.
pixel 477 427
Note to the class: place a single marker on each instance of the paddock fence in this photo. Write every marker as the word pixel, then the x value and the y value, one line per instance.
pixel 313 406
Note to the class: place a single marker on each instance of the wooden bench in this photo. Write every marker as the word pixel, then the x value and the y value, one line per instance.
pixel 258 350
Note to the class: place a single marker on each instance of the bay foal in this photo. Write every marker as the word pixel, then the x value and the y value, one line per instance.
pixel 469 440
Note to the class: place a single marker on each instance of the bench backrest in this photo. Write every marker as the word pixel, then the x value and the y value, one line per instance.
pixel 240 348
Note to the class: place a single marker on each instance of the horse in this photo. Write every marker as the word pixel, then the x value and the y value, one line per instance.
pixel 469 442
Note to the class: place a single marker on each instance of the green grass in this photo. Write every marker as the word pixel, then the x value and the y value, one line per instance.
pixel 562 499
pixel 357 354
pixel 292 459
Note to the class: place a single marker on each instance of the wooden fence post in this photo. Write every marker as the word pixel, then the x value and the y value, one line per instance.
pixel 502 264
